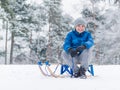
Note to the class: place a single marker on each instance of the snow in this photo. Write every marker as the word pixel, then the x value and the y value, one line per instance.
pixel 28 77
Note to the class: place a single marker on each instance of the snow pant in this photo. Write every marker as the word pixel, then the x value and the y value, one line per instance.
pixel 73 62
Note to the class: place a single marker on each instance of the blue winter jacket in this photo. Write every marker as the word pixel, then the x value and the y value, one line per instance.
pixel 75 39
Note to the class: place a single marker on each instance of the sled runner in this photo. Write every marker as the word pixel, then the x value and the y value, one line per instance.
pixel 40 67
pixel 49 72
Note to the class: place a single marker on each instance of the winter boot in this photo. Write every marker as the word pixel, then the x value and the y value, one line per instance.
pixel 77 74
pixel 82 73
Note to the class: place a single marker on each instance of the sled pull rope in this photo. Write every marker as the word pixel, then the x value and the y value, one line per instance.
pixel 72 67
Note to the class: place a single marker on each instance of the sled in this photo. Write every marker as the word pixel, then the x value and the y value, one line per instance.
pixel 63 69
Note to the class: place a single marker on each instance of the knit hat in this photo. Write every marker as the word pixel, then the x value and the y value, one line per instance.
pixel 79 21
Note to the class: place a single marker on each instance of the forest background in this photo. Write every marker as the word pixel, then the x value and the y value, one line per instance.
pixel 35 30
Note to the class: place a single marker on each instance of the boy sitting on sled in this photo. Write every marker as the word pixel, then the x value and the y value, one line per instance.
pixel 76 47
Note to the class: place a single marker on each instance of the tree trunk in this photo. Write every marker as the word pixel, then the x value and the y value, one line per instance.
pixel 11 51
pixel 31 43
pixel 6 42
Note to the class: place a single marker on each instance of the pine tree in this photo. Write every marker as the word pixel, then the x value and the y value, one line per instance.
pixel 31 21
pixel 21 23
pixel 54 19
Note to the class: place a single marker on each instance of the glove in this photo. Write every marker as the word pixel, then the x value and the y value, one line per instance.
pixel 72 52
pixel 80 48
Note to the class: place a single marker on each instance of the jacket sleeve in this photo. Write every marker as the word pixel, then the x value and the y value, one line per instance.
pixel 67 42
pixel 89 43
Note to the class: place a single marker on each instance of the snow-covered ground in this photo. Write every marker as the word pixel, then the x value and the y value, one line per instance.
pixel 28 77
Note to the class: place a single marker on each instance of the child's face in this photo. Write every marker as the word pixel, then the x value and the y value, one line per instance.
pixel 80 28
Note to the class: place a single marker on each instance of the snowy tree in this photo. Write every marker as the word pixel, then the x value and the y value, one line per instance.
pixel 17 23
pixel 3 17
pixel 54 19
pixel 37 32
pixel 38 42
pixel 94 19
pixel 31 22
pixel 105 29
pixel 23 23
pixel 58 26
pixel 111 36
